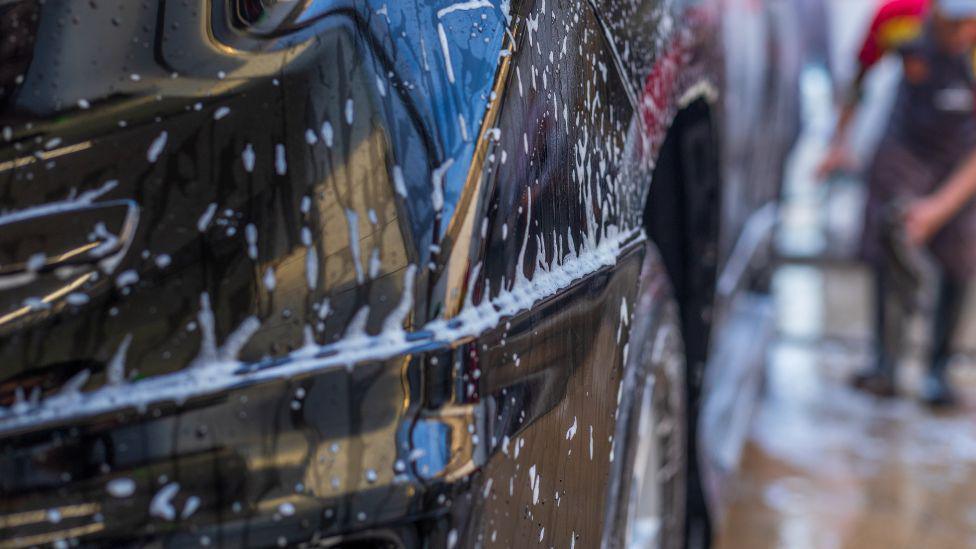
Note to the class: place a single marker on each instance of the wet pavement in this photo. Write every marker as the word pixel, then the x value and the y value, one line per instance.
pixel 829 467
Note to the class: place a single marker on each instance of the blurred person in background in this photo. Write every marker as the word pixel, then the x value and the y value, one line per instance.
pixel 923 175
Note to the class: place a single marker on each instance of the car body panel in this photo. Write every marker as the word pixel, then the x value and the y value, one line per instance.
pixel 374 275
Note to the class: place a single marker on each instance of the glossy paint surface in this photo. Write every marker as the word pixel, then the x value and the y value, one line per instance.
pixel 358 269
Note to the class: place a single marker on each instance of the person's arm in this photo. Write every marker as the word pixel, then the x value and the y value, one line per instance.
pixel 896 23
pixel 927 215
pixel 838 155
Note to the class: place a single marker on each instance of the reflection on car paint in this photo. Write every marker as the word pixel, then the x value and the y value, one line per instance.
pixel 326 211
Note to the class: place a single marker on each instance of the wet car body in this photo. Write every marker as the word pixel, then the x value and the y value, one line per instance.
pixel 341 273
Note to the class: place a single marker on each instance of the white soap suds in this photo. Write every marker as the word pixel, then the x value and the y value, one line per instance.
pixel 281 162
pixel 591 443
pixel 122 487
pixel 204 221
pixel 247 157
pixel 398 182
pixel 327 133
pixel 437 184
pixel 156 147
pixel 353 221
pixel 127 278
pixel 116 366
pixel 161 505
pixel 251 236
pixel 190 507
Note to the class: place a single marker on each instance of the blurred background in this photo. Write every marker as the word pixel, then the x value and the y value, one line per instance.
pixel 825 465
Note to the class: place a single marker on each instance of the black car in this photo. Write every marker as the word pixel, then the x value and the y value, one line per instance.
pixel 361 272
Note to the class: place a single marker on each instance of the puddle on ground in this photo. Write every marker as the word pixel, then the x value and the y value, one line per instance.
pixel 829 467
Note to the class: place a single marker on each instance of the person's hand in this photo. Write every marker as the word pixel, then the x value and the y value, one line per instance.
pixel 838 158
pixel 924 217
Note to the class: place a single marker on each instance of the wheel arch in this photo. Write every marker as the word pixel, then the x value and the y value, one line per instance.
pixel 682 219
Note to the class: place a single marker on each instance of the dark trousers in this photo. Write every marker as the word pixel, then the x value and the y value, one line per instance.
pixel 891 315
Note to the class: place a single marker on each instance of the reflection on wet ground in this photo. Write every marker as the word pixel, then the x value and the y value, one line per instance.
pixel 826 466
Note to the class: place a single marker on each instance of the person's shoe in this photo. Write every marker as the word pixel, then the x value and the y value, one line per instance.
pixel 936 391
pixel 875 382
